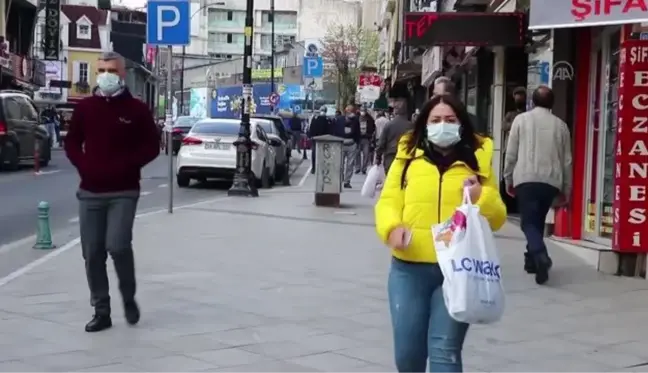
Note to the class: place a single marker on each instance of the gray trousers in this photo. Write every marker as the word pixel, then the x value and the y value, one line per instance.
pixel 106 223
pixel 363 159
pixel 348 161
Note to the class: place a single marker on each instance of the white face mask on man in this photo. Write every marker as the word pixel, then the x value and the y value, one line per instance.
pixel 444 134
pixel 109 83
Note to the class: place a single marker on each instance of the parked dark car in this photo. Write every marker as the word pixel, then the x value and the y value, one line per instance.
pixel 280 130
pixel 181 126
pixel 20 132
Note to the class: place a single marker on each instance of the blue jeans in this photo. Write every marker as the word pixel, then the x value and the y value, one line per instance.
pixel 423 329
pixel 534 202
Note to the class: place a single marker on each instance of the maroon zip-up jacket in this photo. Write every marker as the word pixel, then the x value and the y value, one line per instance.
pixel 109 140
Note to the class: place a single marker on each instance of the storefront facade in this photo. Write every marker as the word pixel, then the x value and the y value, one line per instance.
pixel 610 178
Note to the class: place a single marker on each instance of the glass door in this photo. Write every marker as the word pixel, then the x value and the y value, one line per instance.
pixel 604 87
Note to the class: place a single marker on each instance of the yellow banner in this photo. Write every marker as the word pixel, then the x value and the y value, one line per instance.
pixel 265 73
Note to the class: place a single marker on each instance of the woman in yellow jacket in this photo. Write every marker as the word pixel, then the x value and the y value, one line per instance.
pixel 424 186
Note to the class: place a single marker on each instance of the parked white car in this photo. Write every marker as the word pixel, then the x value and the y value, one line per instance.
pixel 208 152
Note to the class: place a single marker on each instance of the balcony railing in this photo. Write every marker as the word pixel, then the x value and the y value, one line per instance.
pixel 283 28
pixel 225 25
pixel 225 48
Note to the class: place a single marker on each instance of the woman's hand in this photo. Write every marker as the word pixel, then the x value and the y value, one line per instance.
pixel 399 238
pixel 474 188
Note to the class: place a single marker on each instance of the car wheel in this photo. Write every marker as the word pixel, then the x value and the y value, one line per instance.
pixel 9 160
pixel 183 180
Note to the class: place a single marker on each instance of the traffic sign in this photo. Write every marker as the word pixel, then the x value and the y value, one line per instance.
pixel 274 98
pixel 313 67
pixel 168 22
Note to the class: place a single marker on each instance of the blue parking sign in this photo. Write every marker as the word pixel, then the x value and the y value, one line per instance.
pixel 168 22
pixel 312 67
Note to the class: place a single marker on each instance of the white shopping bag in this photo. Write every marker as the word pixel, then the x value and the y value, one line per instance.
pixel 373 182
pixel 466 252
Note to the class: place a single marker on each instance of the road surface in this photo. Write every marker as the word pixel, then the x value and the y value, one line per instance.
pixel 21 191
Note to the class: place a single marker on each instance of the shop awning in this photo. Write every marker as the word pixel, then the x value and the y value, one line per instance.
pixel 425 29
pixel 552 14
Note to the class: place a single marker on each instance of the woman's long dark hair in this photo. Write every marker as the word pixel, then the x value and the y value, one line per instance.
pixel 469 142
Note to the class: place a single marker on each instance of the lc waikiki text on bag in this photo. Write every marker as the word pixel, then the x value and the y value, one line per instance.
pixel 467 255
pixel 373 182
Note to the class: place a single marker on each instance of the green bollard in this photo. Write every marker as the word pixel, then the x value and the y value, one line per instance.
pixel 43 232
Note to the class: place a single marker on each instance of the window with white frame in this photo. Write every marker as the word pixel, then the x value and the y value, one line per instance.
pixel 83 31
pixel 83 72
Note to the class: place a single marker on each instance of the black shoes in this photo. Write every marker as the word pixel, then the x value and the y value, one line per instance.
pixel 529 264
pixel 131 312
pixel 103 322
pixel 347 185
pixel 357 172
pixel 98 323
pixel 539 265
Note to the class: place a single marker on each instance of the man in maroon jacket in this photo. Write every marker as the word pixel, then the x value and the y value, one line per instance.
pixel 112 135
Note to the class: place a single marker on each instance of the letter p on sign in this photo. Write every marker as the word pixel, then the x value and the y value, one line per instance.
pixel 312 66
pixel 162 23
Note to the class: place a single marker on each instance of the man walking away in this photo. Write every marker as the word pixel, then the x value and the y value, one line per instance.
pixel 109 165
pixel 350 145
pixel 537 170
pixel 393 131
pixel 367 130
pixel 296 129
pixel 320 126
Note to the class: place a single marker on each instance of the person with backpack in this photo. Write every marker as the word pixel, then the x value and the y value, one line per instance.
pixel 425 184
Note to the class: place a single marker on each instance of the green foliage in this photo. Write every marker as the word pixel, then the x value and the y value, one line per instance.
pixel 346 49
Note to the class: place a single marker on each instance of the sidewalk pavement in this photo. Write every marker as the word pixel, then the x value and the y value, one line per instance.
pixel 274 284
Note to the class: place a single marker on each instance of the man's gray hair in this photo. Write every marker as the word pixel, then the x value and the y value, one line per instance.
pixel 112 56
pixel 447 83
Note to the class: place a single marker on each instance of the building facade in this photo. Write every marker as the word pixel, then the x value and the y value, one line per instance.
pixel 594 56
pixel 217 27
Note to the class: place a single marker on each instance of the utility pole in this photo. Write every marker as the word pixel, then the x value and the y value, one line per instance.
pixel 244 181
pixel 272 50
pixel 156 69
pixel 182 68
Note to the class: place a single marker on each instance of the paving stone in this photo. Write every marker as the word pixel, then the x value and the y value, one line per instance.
pixel 317 302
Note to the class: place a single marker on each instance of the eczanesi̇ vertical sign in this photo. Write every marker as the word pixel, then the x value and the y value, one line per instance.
pixel 631 150
pixel 52 37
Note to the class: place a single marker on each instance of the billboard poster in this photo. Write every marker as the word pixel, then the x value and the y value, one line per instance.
pixel 226 101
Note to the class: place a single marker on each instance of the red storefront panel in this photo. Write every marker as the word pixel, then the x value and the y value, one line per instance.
pixel 631 150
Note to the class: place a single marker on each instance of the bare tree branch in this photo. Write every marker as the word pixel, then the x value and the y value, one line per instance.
pixel 347 49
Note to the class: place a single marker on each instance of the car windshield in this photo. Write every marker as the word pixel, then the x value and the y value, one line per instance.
pixel 185 121
pixel 216 128
pixel 266 125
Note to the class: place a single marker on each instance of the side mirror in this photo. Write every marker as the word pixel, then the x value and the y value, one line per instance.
pixel 274 142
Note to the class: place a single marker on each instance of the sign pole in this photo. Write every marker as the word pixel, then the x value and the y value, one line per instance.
pixel 169 123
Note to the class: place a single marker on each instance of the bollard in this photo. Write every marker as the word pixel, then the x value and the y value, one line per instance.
pixel 43 232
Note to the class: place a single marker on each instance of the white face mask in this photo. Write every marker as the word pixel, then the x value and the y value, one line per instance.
pixel 108 83
pixel 444 134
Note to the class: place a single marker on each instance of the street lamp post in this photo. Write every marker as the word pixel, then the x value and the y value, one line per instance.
pixel 244 183
pixel 272 49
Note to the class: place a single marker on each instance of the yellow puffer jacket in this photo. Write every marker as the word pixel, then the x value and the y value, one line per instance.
pixel 428 198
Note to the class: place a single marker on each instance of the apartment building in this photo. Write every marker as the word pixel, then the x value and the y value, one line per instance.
pixel 217 27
